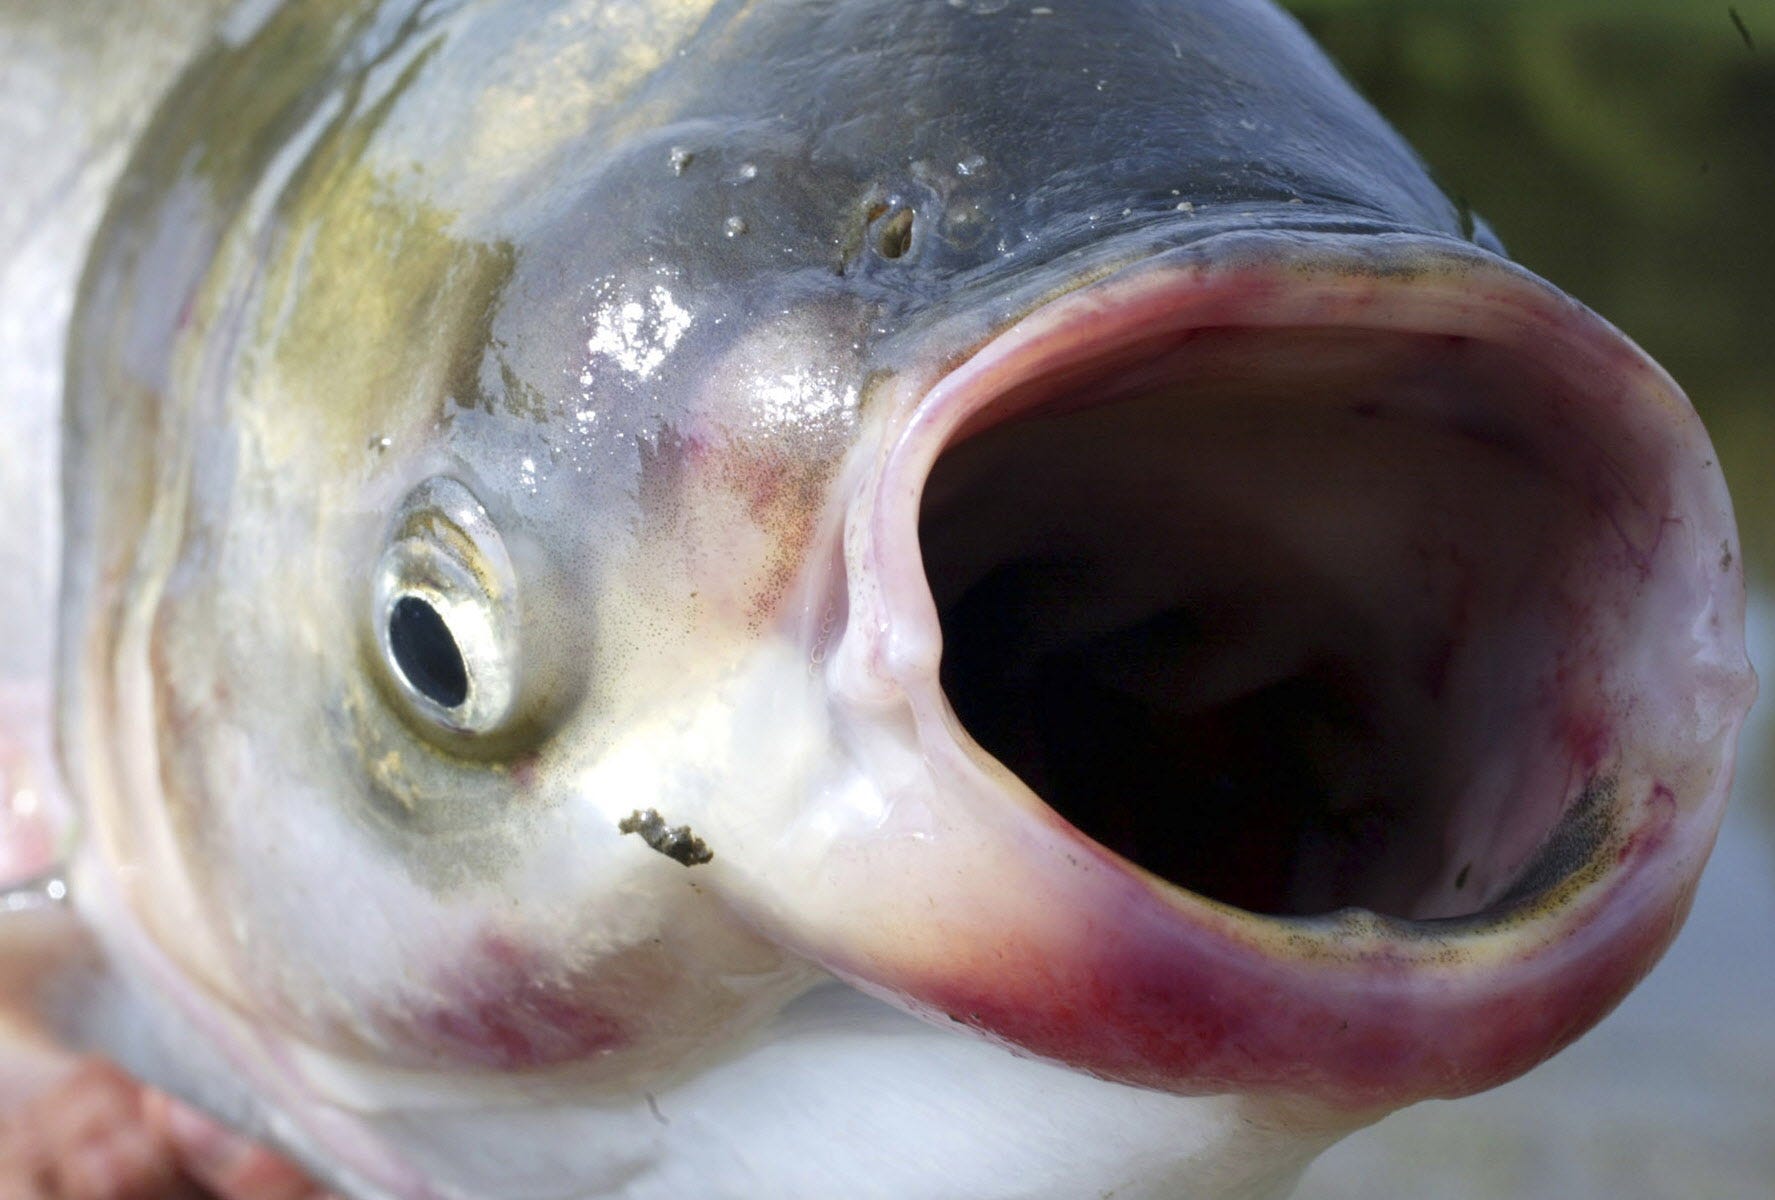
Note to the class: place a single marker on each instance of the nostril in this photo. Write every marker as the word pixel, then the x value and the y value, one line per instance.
pixel 894 239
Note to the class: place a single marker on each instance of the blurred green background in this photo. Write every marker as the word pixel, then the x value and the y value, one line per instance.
pixel 1624 149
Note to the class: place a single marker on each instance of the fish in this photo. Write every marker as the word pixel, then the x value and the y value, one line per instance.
pixel 859 598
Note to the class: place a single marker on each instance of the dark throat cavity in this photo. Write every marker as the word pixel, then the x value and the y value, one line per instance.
pixel 1280 615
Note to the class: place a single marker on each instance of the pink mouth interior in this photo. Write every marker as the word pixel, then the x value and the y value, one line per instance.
pixel 1298 618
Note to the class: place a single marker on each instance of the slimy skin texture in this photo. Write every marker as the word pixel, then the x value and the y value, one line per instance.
pixel 533 472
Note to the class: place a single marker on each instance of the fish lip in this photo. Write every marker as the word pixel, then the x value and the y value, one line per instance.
pixel 1356 1009
pixel 1285 265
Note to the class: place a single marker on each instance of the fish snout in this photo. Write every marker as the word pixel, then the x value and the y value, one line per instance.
pixel 1306 665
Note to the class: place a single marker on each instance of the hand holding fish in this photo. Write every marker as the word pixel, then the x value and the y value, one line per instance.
pixel 99 1135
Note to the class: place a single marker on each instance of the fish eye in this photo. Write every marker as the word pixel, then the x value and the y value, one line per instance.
pixel 426 653
pixel 444 610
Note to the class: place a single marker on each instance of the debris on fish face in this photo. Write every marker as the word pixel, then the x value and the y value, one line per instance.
pixel 675 842
pixel 1046 510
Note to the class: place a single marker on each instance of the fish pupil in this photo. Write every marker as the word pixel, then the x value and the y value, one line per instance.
pixel 426 653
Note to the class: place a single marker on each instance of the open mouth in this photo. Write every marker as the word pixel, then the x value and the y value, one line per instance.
pixel 1346 610
pixel 1322 657
pixel 1297 619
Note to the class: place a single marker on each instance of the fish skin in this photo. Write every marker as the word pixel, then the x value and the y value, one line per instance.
pixel 301 311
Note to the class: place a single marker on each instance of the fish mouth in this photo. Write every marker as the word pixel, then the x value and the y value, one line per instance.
pixel 1297 617
pixel 1322 657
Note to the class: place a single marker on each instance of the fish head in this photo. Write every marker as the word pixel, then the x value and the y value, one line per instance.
pixel 1187 639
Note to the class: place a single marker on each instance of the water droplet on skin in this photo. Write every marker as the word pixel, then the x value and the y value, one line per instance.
pixel 734 226
pixel 380 443
pixel 748 171
pixel 680 158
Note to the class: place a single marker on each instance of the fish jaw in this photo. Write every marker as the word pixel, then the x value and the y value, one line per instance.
pixel 756 1120
pixel 1584 675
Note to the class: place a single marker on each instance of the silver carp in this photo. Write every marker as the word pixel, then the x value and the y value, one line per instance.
pixel 842 597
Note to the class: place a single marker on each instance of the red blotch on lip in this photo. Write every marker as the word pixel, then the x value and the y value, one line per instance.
pixel 1650 835
pixel 1374 1033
